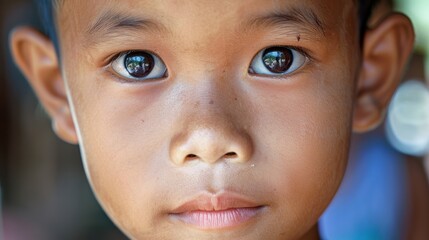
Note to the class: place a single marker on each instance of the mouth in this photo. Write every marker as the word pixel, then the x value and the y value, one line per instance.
pixel 217 211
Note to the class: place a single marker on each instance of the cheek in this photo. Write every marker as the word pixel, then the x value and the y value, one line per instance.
pixel 300 133
pixel 122 150
pixel 306 132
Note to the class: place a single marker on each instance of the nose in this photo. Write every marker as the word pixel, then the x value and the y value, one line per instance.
pixel 211 140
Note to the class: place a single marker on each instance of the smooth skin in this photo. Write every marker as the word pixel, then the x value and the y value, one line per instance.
pixel 210 125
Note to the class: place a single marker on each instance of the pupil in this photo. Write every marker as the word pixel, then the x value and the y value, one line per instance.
pixel 277 59
pixel 139 64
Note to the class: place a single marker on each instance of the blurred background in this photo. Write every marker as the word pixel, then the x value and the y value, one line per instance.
pixel 44 193
pixel 44 190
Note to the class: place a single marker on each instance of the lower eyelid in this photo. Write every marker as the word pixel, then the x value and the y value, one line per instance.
pixel 112 74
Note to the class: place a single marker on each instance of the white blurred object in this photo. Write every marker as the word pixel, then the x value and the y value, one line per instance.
pixel 407 123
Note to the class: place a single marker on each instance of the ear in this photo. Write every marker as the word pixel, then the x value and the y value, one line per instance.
pixel 386 49
pixel 35 55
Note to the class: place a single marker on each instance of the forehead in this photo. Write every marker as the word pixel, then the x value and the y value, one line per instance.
pixel 86 16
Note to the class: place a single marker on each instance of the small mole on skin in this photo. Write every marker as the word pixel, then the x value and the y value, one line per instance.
pixel 142 120
pixel 235 99
pixel 298 38
pixel 211 102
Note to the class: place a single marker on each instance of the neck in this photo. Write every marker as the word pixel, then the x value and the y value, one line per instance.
pixel 313 234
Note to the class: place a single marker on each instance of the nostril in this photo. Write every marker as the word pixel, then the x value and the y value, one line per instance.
pixel 190 157
pixel 231 155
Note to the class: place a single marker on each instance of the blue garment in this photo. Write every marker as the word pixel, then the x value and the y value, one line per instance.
pixel 371 202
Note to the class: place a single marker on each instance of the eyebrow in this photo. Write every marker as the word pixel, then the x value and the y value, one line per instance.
pixel 110 23
pixel 304 18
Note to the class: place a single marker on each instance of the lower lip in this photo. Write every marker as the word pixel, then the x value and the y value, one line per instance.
pixel 218 219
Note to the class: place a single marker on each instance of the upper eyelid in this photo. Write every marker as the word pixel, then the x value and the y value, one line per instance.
pixel 108 61
pixel 308 54
pixel 120 54
pixel 117 55
pixel 308 59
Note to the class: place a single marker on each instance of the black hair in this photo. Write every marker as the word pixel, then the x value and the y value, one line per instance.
pixel 46 14
pixel 45 9
pixel 365 11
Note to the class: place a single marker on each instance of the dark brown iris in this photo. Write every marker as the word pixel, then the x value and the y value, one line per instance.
pixel 139 64
pixel 277 59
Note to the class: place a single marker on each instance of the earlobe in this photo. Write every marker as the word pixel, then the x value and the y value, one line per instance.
pixel 64 127
pixel 386 49
pixel 35 55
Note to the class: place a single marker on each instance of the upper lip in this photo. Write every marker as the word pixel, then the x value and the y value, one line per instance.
pixel 215 202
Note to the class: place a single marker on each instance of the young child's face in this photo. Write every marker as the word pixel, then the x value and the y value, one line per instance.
pixel 209 125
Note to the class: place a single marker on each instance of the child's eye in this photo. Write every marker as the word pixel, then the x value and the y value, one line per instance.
pixel 277 61
pixel 139 65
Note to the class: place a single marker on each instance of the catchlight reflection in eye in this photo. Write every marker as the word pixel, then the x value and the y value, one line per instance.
pixel 277 61
pixel 139 65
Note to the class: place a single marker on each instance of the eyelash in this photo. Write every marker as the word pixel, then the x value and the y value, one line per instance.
pixel 119 69
pixel 307 53
pixel 268 61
